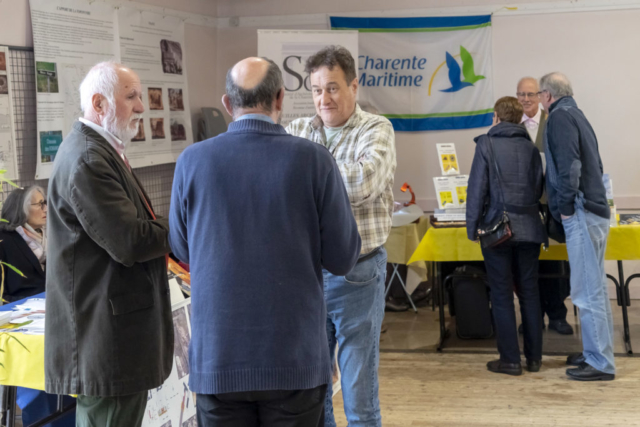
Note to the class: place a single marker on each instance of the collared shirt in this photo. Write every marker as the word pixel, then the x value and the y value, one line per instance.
pixel 532 124
pixel 254 116
pixel 115 142
pixel 366 156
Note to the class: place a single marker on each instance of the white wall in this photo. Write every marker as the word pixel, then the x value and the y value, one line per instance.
pixel 595 49
pixel 200 52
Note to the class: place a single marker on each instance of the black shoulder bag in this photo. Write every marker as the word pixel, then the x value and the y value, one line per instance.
pixel 500 232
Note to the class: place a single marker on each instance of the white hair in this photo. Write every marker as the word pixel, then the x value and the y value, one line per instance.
pixel 101 79
pixel 557 84
pixel 26 204
pixel 524 79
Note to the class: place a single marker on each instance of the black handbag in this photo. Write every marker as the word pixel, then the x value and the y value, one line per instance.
pixel 499 232
pixel 555 230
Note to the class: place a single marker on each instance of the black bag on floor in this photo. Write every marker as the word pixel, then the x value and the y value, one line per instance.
pixel 469 303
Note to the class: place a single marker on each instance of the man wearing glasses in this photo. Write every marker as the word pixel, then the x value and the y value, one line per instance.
pixel 553 292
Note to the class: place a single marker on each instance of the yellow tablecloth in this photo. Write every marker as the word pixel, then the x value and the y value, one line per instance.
pixel 451 244
pixel 16 372
pixel 402 243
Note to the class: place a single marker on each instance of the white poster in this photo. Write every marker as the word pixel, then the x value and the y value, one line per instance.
pixel 8 156
pixel 69 37
pixel 173 404
pixel 153 46
pixel 448 159
pixel 426 73
pixel 290 49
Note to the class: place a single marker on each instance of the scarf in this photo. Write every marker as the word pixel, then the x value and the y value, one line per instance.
pixel 37 241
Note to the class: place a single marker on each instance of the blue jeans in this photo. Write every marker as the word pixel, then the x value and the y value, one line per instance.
pixel 586 242
pixel 355 308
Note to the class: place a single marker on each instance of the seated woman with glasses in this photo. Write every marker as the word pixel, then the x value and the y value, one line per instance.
pixel 23 242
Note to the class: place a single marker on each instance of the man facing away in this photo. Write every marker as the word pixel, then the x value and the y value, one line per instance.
pixel 364 149
pixel 258 214
pixel 553 292
pixel 109 331
pixel 577 197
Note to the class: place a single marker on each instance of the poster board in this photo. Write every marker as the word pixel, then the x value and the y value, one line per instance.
pixel 173 404
pixel 290 49
pixel 69 37
pixel 8 155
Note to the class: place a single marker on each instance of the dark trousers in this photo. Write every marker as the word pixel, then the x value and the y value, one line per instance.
pixel 115 411
pixel 515 265
pixel 553 292
pixel 278 408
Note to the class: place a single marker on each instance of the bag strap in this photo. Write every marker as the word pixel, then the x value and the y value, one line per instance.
pixel 493 157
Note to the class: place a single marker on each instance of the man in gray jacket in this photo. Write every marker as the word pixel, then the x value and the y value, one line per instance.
pixel 109 332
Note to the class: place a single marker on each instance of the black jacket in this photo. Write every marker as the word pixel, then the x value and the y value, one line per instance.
pixel 522 183
pixel 574 147
pixel 109 328
pixel 15 251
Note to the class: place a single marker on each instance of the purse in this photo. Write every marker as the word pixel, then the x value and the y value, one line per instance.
pixel 554 229
pixel 499 232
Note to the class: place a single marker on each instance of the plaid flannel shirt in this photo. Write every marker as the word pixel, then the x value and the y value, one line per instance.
pixel 366 155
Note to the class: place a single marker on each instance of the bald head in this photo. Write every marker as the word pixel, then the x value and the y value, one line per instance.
pixel 254 85
pixel 528 95
pixel 250 72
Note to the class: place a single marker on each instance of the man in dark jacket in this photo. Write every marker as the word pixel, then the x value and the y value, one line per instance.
pixel 577 197
pixel 109 332
pixel 258 214
pixel 507 175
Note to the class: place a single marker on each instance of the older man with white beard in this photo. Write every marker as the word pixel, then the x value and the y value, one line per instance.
pixel 109 331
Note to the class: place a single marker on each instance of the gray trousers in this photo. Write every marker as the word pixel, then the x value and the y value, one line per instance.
pixel 114 411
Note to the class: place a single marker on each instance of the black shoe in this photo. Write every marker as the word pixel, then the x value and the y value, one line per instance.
pixel 576 359
pixel 533 365
pixel 395 306
pixel 521 328
pixel 561 326
pixel 500 367
pixel 586 372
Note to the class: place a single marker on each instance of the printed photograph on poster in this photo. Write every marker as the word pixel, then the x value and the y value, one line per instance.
pixel 140 135
pixel 4 85
pixel 49 144
pixel 448 159
pixel 171 57
pixel 3 62
pixel 191 422
pixel 181 342
pixel 155 98
pixel 46 77
pixel 175 100
pixel 157 128
pixel 178 132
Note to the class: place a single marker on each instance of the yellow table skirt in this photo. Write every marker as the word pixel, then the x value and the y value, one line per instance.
pixel 24 368
pixel 451 244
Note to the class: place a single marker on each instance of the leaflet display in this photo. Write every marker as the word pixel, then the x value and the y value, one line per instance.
pixel 153 46
pixel 448 159
pixel 8 156
pixel 69 36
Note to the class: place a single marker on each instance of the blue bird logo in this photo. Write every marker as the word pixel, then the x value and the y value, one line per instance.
pixel 467 71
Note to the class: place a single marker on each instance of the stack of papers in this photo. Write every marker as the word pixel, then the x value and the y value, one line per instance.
pixel 27 318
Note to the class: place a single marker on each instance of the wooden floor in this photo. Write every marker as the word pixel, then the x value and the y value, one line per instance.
pixel 431 389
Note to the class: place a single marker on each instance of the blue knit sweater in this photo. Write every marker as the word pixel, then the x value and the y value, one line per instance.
pixel 257 214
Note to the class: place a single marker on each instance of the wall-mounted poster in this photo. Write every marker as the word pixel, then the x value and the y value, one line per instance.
pixel 69 37
pixel 153 46
pixel 8 157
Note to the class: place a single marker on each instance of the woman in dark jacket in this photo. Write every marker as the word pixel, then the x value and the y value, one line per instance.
pixel 512 264
pixel 23 242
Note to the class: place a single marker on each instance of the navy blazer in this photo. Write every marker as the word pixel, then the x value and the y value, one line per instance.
pixel 522 183
pixel 15 251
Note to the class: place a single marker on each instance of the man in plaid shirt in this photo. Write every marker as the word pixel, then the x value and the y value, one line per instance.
pixel 363 146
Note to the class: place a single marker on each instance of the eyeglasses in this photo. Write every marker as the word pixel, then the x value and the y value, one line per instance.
pixel 529 95
pixel 42 204
pixel 540 93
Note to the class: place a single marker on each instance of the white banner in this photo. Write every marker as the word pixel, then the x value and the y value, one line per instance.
pixel 8 156
pixel 69 37
pixel 426 73
pixel 290 50
pixel 153 46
